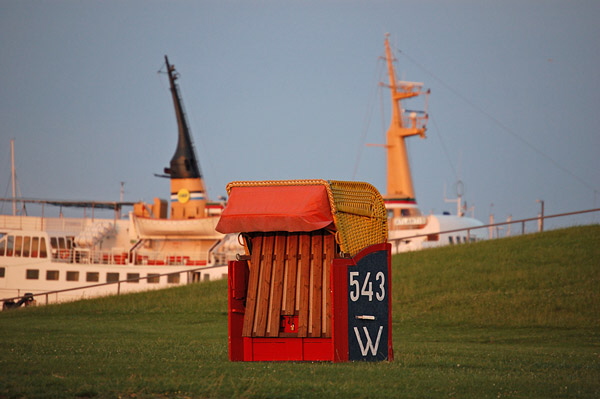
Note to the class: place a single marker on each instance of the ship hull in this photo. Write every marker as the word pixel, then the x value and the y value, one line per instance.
pixel 52 282
pixel 437 231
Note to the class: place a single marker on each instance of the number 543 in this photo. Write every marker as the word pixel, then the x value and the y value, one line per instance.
pixel 366 288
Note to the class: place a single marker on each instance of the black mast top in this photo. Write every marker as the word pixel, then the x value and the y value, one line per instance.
pixel 183 164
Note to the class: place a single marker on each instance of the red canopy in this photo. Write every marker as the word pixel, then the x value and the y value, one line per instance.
pixel 276 208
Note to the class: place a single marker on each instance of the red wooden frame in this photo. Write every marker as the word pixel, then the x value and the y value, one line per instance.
pixel 335 348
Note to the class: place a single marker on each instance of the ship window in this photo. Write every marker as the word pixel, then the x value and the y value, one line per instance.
pixel 133 277
pixel 10 245
pixel 2 247
pixel 433 237
pixel 173 278
pixel 26 246
pixel 60 242
pixel 92 276
pixel 32 274
pixel 2 271
pixel 43 253
pixel 35 244
pixel 51 274
pixel 112 277
pixel 18 245
pixel 72 276
pixel 153 278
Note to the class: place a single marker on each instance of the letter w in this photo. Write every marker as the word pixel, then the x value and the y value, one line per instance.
pixel 364 349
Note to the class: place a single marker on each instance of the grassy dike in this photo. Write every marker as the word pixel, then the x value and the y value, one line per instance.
pixel 516 318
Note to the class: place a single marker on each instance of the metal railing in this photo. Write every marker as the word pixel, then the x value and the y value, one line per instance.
pixel 189 272
pixel 398 241
pixel 123 257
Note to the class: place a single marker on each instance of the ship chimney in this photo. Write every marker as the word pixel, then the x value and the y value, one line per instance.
pixel 188 198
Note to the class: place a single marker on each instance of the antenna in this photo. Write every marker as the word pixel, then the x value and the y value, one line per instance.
pixel 13 176
pixel 460 189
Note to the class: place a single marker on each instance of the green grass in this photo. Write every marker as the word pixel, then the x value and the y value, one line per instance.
pixel 517 318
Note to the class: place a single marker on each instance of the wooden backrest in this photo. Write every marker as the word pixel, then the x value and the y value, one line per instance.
pixel 289 280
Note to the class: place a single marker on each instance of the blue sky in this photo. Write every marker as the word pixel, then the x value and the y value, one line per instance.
pixel 288 90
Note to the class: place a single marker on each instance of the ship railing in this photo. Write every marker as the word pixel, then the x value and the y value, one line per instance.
pixel 119 256
pixel 493 229
pixel 415 119
pixel 22 222
pixel 188 258
pixel 191 276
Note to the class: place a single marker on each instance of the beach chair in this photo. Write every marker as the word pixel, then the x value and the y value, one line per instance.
pixel 290 292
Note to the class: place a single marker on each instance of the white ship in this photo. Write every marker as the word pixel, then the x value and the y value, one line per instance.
pixel 405 219
pixel 149 250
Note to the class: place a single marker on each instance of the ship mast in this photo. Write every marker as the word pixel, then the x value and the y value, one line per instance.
pixel 13 177
pixel 188 200
pixel 399 180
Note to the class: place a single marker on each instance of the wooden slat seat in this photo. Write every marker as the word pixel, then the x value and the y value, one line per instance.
pixel 289 282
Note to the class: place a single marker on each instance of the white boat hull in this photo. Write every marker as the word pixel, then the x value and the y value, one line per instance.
pixel 432 233
pixel 69 282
